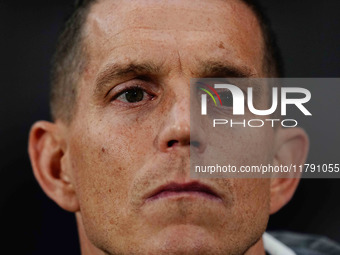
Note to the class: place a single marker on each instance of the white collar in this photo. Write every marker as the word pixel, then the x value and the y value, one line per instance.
pixel 275 247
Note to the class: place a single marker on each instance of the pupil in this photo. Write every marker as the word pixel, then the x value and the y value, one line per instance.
pixel 227 98
pixel 134 95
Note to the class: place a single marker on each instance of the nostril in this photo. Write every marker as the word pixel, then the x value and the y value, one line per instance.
pixel 195 144
pixel 172 143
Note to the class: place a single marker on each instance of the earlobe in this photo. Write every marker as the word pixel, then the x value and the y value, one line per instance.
pixel 46 154
pixel 291 149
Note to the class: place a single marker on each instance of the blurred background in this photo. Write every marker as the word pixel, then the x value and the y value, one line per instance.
pixel 308 34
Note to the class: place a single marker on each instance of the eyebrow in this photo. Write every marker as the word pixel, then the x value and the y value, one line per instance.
pixel 217 69
pixel 225 70
pixel 119 71
pixel 207 69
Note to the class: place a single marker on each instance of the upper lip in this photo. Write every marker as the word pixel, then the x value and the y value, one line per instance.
pixel 183 187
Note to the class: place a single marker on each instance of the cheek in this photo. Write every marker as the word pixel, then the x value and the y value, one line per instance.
pixel 253 194
pixel 105 158
pixel 239 147
pixel 255 145
pixel 253 204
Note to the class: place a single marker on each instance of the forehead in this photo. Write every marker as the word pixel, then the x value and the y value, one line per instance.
pixel 189 32
pixel 153 14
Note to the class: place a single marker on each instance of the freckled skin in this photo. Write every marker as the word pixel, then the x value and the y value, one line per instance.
pixel 118 154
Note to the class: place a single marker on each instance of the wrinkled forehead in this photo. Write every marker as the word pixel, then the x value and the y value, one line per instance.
pixel 131 26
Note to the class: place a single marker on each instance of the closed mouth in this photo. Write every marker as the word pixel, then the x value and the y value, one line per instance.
pixel 191 189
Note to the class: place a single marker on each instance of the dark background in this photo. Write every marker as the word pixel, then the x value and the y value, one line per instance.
pixel 308 34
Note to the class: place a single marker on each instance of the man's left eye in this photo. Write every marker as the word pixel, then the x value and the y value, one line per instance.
pixel 132 95
pixel 226 98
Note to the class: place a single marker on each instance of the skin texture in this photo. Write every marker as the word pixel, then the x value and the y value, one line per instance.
pixel 105 164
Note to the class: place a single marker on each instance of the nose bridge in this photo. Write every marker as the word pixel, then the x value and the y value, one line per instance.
pixel 175 131
pixel 181 105
pixel 176 127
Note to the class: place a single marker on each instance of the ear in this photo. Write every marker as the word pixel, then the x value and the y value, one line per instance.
pixel 291 148
pixel 46 153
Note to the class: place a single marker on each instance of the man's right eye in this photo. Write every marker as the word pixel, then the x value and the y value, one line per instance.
pixel 132 95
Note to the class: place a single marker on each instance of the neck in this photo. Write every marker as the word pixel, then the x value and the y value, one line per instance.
pixel 256 249
pixel 86 246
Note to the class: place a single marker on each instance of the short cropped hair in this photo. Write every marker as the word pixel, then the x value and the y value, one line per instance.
pixel 70 57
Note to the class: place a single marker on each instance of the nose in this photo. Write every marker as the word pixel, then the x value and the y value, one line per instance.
pixel 174 135
pixel 176 132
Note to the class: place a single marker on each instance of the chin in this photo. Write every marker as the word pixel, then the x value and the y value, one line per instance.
pixel 186 239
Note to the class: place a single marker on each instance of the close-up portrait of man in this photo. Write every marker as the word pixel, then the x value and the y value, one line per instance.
pixel 116 152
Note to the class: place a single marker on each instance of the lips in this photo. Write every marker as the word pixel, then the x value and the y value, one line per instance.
pixel 191 189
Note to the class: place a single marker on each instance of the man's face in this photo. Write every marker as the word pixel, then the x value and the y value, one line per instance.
pixel 130 135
